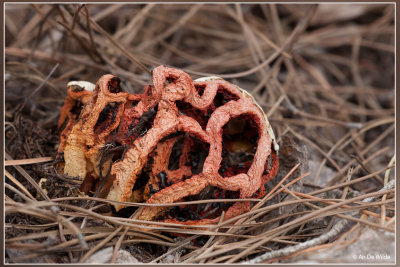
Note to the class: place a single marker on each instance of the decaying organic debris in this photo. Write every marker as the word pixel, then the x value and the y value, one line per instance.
pixel 179 140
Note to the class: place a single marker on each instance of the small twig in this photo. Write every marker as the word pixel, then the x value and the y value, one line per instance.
pixel 360 161
pixel 38 37
pixel 76 16
pixel 124 51
pixel 38 88
pixel 90 33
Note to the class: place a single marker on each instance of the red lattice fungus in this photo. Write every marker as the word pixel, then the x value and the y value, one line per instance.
pixel 180 140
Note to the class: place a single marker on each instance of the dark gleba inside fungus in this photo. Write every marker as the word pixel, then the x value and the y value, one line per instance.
pixel 180 140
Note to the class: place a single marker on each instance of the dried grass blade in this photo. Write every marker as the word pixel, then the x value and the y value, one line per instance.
pixel 29 178
pixel 16 182
pixel 27 161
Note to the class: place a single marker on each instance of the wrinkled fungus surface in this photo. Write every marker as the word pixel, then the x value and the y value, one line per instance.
pixel 180 140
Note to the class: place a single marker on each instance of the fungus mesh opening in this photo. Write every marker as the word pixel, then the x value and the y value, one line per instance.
pixel 239 142
pixel 106 117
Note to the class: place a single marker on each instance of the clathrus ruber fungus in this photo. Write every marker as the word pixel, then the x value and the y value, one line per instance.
pixel 180 140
